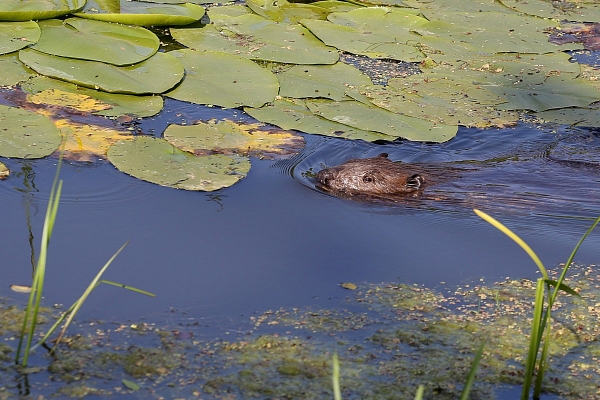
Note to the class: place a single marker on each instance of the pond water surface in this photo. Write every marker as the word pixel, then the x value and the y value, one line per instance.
pixel 273 240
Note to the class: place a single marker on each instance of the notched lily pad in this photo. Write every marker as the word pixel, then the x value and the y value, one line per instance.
pixel 157 74
pixel 254 37
pixel 19 10
pixel 293 114
pixel 228 137
pixel 142 13
pixel 96 41
pixel 157 161
pixel 13 70
pixel 24 134
pixel 328 81
pixel 363 116
pixel 223 79
pixel 16 35
pixel 44 90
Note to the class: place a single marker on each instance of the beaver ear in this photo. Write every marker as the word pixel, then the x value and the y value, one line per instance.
pixel 415 181
pixel 383 155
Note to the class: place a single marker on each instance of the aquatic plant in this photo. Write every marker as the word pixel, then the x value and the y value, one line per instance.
pixel 546 292
pixel 33 305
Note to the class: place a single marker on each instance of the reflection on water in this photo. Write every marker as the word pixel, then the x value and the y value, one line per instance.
pixel 272 240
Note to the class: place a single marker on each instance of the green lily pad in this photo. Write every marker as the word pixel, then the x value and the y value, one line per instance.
pixel 16 35
pixel 44 90
pixel 284 11
pixel 328 81
pixel 428 6
pixel 336 6
pixel 293 114
pixel 157 161
pixel 229 137
pixel 376 32
pixel 224 80
pixel 363 116
pixel 254 37
pixel 492 32
pixel 580 11
pixel 587 117
pixel 142 13
pixel 19 10
pixel 157 74
pixel 96 41
pixel 442 101
pixel 13 70
pixel 555 92
pixel 24 134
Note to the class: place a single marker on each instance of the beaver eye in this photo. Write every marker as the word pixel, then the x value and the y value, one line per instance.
pixel 368 179
pixel 415 181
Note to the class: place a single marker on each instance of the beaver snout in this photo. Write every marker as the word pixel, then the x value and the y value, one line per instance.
pixel 326 176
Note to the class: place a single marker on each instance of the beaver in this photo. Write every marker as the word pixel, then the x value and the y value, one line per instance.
pixel 376 177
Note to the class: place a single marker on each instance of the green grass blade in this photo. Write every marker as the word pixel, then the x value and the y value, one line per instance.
pixel 420 392
pixel 133 289
pixel 86 293
pixel 498 225
pixel 542 365
pixel 562 287
pixel 471 377
pixel 335 378
pixel 534 341
pixel 35 298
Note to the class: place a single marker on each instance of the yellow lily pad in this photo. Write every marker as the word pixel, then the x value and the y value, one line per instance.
pixel 229 137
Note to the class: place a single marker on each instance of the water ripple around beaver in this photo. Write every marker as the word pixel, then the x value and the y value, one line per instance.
pixel 525 171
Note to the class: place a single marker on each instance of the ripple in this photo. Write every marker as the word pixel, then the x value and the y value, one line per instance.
pixel 97 185
pixel 509 171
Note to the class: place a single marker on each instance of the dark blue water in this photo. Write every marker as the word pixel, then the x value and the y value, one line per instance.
pixel 272 240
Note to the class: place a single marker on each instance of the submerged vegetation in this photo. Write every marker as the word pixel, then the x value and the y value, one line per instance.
pixel 482 63
pixel 406 342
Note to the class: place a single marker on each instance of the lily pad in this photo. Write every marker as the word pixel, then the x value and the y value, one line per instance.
pixel 492 32
pixel 293 114
pixel 16 35
pixel 24 134
pixel 13 70
pixel 157 161
pixel 585 117
pixel 284 11
pixel 96 41
pixel 254 37
pixel 142 13
pixel 88 143
pixel 362 116
pixel 581 11
pixel 44 90
pixel 224 80
pixel 442 101
pixel 373 32
pixel 229 137
pixel 336 6
pixel 4 171
pixel 157 74
pixel 19 10
pixel 328 81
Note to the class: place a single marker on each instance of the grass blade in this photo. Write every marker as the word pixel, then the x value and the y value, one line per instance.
pixel 133 289
pixel 534 341
pixel 335 377
pixel 471 377
pixel 515 238
pixel 85 295
pixel 420 392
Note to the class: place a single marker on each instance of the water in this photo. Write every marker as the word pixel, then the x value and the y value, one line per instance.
pixel 273 240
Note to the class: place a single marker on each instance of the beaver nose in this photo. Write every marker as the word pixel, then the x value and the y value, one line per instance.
pixel 325 177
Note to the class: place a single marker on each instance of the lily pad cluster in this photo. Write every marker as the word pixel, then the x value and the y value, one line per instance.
pixel 482 62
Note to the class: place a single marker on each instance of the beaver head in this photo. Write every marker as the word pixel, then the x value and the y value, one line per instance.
pixel 375 176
